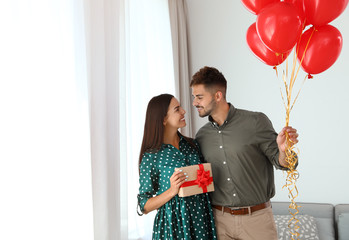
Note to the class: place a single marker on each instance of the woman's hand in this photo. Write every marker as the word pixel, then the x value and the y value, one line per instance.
pixel 177 179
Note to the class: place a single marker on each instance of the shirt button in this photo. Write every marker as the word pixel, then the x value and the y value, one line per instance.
pixel 219 131
pixel 224 162
pixel 220 146
pixel 234 194
pixel 228 179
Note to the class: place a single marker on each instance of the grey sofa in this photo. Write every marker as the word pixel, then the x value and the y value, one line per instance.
pixel 332 221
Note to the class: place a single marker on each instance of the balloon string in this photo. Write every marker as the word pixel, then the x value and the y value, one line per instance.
pixel 291 155
pixel 306 47
pixel 291 179
pixel 291 151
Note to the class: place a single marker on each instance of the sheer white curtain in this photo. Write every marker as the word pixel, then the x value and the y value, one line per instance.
pixel 150 67
pixel 45 170
pixel 48 50
pixel 130 60
pixel 157 62
pixel 103 36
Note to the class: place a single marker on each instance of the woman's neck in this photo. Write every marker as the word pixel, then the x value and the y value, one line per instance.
pixel 171 137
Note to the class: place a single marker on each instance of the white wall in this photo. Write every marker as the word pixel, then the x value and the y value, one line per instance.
pixel 217 38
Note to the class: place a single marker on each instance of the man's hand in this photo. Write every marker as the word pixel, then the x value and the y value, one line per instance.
pixel 281 141
pixel 281 138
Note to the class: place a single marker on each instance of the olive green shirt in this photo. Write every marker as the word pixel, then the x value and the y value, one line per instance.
pixel 242 152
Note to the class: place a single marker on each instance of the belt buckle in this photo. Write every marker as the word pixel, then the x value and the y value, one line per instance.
pixel 232 209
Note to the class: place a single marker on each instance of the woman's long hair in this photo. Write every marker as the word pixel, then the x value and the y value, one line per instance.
pixel 154 128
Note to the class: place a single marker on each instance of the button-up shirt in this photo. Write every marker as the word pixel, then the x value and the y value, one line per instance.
pixel 242 152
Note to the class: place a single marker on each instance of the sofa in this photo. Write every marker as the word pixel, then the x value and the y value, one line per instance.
pixel 321 221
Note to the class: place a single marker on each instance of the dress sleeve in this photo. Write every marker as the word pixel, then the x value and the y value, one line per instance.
pixel 147 179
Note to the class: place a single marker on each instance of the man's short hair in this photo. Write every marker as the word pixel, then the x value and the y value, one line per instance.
pixel 212 79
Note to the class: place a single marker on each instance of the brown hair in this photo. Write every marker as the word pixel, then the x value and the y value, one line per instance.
pixel 211 78
pixel 154 128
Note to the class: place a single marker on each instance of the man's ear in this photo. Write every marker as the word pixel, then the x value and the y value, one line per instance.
pixel 219 96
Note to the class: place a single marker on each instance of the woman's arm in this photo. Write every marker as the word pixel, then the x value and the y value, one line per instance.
pixel 177 179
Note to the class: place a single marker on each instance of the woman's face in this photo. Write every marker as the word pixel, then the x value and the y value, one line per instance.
pixel 175 115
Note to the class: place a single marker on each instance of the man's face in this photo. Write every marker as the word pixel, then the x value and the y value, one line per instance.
pixel 203 100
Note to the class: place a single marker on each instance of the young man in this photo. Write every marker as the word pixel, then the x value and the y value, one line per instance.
pixel 242 148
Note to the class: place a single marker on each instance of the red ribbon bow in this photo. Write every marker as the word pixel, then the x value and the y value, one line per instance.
pixel 203 179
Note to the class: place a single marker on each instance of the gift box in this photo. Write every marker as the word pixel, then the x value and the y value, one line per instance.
pixel 199 181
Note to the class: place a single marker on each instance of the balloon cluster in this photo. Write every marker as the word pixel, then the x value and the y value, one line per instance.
pixel 281 26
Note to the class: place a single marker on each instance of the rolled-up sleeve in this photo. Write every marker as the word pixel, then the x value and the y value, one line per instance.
pixel 147 180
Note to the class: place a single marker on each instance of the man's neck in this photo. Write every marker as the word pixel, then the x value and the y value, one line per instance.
pixel 221 113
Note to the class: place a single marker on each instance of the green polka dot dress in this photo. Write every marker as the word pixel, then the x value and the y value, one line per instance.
pixel 182 217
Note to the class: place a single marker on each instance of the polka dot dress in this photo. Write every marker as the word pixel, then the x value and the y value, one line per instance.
pixel 182 217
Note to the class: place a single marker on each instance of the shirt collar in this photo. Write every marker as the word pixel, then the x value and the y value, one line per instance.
pixel 231 113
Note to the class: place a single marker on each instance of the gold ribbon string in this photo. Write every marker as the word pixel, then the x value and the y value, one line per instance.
pixel 292 152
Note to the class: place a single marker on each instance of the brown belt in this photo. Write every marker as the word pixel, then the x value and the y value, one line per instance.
pixel 244 210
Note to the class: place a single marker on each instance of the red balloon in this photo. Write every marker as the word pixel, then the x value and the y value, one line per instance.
pixel 279 26
pixel 255 6
pixel 299 4
pixel 324 47
pixel 321 12
pixel 260 50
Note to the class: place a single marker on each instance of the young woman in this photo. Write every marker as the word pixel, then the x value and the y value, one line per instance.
pixel 164 149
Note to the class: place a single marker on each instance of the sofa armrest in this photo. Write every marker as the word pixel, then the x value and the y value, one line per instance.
pixel 342 220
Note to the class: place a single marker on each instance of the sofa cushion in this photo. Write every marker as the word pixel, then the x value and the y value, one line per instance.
pixel 343 223
pixel 307 227
pixel 322 212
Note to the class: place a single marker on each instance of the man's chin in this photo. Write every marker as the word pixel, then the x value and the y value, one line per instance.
pixel 203 115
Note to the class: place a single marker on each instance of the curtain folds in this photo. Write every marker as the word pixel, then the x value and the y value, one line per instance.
pixel 134 52
pixel 103 51
pixel 178 11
